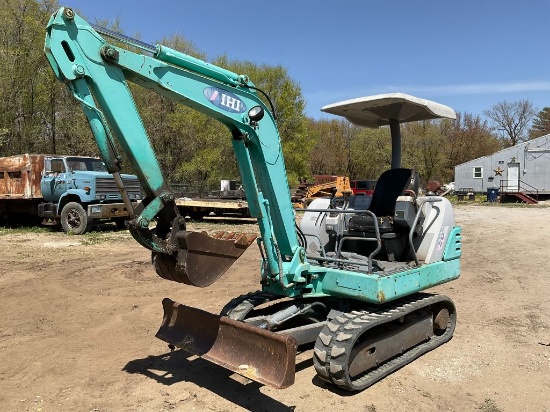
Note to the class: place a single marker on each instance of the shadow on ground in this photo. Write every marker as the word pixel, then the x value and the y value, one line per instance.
pixel 180 366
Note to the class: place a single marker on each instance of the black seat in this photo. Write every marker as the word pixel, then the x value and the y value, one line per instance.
pixel 391 184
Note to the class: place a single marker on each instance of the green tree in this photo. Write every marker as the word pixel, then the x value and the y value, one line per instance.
pixel 342 148
pixel 286 96
pixel 541 124
pixel 331 153
pixel 26 85
pixel 38 113
pixel 196 149
pixel 370 153
pixel 423 148
pixel 435 147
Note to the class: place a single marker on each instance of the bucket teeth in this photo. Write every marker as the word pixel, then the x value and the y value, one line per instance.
pixel 217 235
pixel 242 239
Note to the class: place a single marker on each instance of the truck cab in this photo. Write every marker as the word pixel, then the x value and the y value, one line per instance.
pixel 78 189
pixel 85 177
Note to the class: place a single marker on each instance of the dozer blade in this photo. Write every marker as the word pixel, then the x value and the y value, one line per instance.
pixel 202 259
pixel 255 353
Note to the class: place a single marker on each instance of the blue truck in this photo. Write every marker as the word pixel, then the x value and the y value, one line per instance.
pixel 74 191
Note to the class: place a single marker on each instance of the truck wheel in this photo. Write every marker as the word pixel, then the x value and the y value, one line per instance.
pixel 74 219
pixel 120 222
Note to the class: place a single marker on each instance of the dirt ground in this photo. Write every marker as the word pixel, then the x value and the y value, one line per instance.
pixel 78 317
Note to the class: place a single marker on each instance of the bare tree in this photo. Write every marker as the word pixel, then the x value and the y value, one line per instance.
pixel 512 119
pixel 468 137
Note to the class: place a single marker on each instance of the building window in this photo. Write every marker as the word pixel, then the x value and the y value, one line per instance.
pixel 478 172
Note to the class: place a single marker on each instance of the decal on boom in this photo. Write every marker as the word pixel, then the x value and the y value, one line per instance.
pixel 224 100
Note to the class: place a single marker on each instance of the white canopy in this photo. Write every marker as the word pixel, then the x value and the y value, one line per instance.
pixel 375 111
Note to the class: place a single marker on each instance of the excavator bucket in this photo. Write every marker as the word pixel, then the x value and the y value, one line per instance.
pixel 255 353
pixel 202 259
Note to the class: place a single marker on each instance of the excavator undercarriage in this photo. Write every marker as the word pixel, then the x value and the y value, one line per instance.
pixel 354 347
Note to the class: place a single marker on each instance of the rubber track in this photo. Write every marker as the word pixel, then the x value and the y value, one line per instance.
pixel 334 344
pixel 237 308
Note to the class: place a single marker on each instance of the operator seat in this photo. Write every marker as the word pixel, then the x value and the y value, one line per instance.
pixel 393 226
pixel 392 184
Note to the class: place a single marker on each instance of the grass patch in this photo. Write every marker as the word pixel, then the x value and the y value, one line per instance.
pixel 489 405
pixel 91 238
pixel 4 230
pixel 94 238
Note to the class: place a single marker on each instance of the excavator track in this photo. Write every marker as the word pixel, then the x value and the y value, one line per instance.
pixel 359 348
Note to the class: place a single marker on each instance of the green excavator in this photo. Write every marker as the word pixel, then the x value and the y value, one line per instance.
pixel 346 280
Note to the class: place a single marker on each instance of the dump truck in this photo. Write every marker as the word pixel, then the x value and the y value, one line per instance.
pixel 75 191
pixel 349 281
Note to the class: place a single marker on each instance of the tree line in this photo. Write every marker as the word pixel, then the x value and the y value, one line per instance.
pixel 38 114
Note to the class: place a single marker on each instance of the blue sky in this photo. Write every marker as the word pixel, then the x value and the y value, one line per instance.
pixel 467 54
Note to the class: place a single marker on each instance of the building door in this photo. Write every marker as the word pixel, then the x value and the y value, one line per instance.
pixel 513 177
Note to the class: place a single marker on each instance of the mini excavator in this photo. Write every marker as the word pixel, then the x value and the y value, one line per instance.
pixel 347 280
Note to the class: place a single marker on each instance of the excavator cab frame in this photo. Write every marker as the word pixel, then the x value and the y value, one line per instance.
pixel 306 297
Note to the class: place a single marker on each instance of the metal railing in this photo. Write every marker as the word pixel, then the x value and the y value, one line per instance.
pixel 520 187
pixel 338 259
pixel 375 238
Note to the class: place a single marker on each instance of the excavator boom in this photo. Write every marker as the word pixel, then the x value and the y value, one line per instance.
pixel 96 72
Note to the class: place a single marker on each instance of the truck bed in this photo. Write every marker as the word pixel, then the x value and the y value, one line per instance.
pixel 20 176
pixel 198 207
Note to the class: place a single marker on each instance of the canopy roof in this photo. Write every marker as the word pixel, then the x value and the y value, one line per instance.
pixel 375 111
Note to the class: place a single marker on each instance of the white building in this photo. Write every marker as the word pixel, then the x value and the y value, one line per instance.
pixel 522 171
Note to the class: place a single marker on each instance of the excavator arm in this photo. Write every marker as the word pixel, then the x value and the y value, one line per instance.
pixel 97 73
